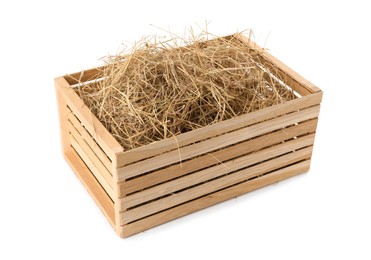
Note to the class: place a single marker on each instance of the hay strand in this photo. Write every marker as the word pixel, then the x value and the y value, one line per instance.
pixel 164 87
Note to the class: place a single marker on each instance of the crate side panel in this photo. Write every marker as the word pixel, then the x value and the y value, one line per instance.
pixel 91 184
pixel 102 156
pixel 101 172
pixel 63 119
pixel 224 178
pixel 156 148
pixel 214 198
pixel 211 173
pixel 105 140
pixel 220 156
pixel 216 143
pixel 93 169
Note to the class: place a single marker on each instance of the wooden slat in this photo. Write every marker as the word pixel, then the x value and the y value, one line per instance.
pixel 216 143
pixel 169 144
pixel 105 140
pixel 92 186
pixel 90 153
pixel 217 157
pixel 93 168
pixel 63 113
pixel 83 76
pixel 212 186
pixel 310 87
pixel 213 172
pixel 91 142
pixel 214 198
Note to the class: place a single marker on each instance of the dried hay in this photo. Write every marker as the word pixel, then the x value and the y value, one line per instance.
pixel 162 88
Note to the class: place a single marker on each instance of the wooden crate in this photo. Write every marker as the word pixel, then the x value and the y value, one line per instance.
pixel 147 186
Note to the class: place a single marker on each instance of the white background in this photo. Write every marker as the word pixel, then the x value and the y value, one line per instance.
pixel 45 213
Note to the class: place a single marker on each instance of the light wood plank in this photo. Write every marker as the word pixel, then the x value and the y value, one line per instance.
pixel 214 172
pixel 215 143
pixel 85 75
pixel 90 153
pixel 214 198
pixel 212 186
pixel 88 119
pixel 62 113
pixel 181 140
pixel 217 157
pixel 91 142
pixel 310 87
pixel 103 182
pixel 100 197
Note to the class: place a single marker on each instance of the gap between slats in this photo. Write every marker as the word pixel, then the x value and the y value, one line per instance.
pixel 93 168
pixel 178 170
pixel 157 148
pixel 211 173
pixel 92 185
pixel 223 180
pixel 214 198
pixel 73 120
pixel 256 176
pixel 215 143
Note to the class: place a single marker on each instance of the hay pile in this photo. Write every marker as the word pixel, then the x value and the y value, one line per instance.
pixel 164 88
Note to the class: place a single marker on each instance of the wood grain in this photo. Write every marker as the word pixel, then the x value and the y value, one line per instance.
pixel 105 140
pixel 214 172
pixel 92 186
pixel 93 168
pixel 153 149
pixel 91 142
pixel 214 198
pixel 84 76
pixel 211 186
pixel 217 157
pixel 147 186
pixel 216 143
pixel 63 113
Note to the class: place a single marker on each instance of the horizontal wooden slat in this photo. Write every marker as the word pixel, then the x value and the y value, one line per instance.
pixel 214 198
pixel 105 140
pixel 213 172
pixel 83 76
pixel 217 157
pixel 310 87
pixel 93 168
pixel 91 142
pixel 90 153
pixel 169 144
pixel 211 186
pixel 92 185
pixel 216 143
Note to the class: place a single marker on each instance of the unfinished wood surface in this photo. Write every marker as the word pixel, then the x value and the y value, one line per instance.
pixel 211 186
pixel 63 114
pixel 217 157
pixel 90 141
pixel 216 143
pixel 93 168
pixel 310 87
pixel 88 119
pixel 90 153
pixel 206 132
pixel 92 185
pixel 84 76
pixel 214 198
pixel 218 161
pixel 214 172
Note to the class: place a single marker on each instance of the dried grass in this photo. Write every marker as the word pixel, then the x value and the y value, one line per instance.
pixel 162 88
